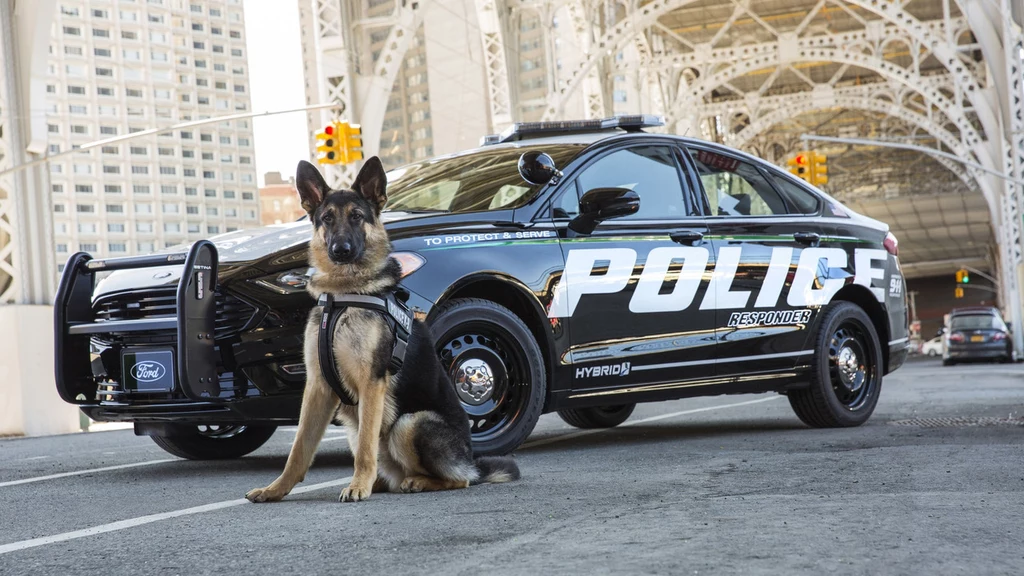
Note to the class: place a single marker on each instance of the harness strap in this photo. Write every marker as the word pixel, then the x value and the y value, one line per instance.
pixel 395 314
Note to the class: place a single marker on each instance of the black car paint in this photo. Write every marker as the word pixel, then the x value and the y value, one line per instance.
pixel 517 257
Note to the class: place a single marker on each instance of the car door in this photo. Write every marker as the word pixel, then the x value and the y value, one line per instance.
pixel 767 279
pixel 631 289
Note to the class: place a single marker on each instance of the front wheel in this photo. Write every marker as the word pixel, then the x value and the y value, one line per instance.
pixel 598 417
pixel 212 442
pixel 497 368
pixel 846 370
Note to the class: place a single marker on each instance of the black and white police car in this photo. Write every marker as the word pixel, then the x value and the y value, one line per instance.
pixel 578 267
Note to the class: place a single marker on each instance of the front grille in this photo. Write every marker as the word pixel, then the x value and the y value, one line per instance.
pixel 232 313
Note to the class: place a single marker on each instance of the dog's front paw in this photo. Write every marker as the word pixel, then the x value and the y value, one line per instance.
pixel 268 494
pixel 355 493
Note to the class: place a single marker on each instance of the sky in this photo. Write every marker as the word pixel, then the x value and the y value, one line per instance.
pixel 276 83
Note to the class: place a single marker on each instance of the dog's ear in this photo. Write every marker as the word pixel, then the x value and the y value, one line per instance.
pixel 311 186
pixel 372 183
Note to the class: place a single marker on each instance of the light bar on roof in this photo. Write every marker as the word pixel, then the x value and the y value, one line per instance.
pixel 523 130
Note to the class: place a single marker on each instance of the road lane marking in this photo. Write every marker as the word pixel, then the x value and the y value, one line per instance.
pixel 149 519
pixel 570 436
pixel 80 472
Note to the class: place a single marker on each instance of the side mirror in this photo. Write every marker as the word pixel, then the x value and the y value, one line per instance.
pixel 602 204
pixel 537 168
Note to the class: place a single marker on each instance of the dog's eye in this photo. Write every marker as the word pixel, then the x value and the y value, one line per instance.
pixel 327 218
pixel 356 217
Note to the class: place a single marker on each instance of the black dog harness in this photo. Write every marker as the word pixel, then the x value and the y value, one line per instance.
pixel 395 314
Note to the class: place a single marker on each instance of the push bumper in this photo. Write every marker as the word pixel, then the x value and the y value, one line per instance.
pixel 188 364
pixel 978 351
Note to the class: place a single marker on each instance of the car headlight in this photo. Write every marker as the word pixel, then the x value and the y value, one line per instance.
pixel 295 281
pixel 409 261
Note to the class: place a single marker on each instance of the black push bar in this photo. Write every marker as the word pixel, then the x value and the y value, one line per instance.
pixel 75 322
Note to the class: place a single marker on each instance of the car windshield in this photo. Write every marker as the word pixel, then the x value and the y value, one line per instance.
pixel 484 180
pixel 976 322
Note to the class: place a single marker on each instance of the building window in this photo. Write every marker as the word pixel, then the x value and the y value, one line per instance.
pixel 192 210
pixel 168 170
pixel 83 189
pixel 236 52
pixel 117 228
pixel 102 91
pixel 101 33
pixel 140 189
pixel 173 227
pixel 133 92
pixel 140 169
pixel 117 247
pixel 102 52
pixel 62 248
pixel 109 130
pixel 143 227
pixel 112 188
pixel 57 188
pixel 72 31
pixel 115 208
pixel 191 191
pixel 105 72
pixel 143 208
pixel 213 229
pixel 145 247
pixel 167 190
pixel 211 211
pixel 88 246
pixel 247 196
pixel 129 35
pixel 229 194
pixel 193 228
pixel 76 90
pixel 110 150
pixel 85 208
pixel 210 192
pixel 111 169
pixel 78 109
pixel 139 150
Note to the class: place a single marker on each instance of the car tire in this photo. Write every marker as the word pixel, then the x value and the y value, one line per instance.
pixel 214 442
pixel 932 353
pixel 846 370
pixel 597 417
pixel 474 330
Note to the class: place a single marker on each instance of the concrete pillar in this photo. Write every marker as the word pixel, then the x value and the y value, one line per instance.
pixel 29 404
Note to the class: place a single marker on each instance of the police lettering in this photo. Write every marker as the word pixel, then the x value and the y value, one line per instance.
pixel 609 270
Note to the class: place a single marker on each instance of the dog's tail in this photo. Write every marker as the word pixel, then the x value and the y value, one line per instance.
pixel 496 469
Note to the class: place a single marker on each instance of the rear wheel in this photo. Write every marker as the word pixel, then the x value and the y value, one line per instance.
pixel 497 369
pixel 846 376
pixel 599 417
pixel 213 442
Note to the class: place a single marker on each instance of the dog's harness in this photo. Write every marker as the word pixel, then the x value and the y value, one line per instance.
pixel 395 314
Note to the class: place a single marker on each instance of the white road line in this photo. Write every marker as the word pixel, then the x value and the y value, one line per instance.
pixel 572 435
pixel 80 472
pixel 149 519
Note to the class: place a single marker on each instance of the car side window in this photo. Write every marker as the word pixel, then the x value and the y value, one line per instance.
pixel 650 171
pixel 799 200
pixel 735 187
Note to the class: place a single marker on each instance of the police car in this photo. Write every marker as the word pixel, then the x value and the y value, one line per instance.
pixel 577 267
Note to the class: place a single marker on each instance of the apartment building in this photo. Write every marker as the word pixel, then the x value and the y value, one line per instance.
pixel 122 67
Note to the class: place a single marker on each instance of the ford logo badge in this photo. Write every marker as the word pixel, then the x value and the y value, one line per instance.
pixel 148 371
pixel 161 275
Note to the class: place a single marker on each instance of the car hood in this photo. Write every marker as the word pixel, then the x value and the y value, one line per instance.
pixel 234 250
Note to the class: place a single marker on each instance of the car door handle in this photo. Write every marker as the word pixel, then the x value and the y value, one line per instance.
pixel 809 238
pixel 687 236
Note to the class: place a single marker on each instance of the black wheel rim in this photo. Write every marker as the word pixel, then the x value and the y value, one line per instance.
pixel 491 376
pixel 852 365
pixel 219 431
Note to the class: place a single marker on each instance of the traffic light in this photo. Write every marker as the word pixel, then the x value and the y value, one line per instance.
pixel 962 276
pixel 799 166
pixel 328 146
pixel 350 141
pixel 819 169
pixel 958 292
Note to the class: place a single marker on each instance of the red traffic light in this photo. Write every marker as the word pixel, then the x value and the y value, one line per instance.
pixel 329 129
pixel 801 159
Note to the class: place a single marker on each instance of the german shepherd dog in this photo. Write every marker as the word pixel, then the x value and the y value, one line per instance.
pixel 407 431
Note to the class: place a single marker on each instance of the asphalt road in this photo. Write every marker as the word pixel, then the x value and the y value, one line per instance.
pixel 723 485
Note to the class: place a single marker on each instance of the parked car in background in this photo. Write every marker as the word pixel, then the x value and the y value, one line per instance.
pixel 977 333
pixel 932 347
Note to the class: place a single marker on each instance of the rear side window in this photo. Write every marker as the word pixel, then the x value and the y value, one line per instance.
pixel 650 171
pixel 800 201
pixel 735 187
